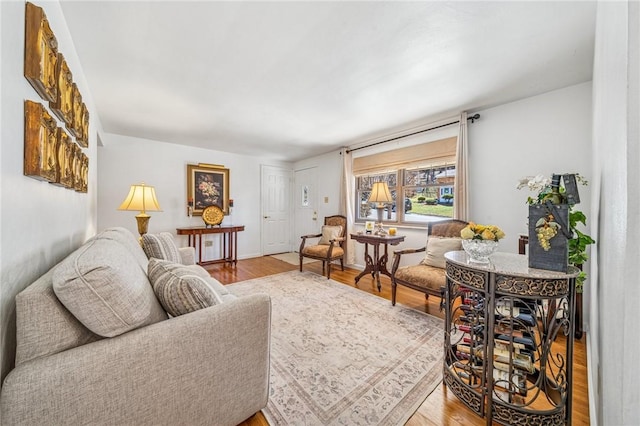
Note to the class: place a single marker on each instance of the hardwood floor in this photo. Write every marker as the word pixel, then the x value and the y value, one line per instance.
pixel 441 407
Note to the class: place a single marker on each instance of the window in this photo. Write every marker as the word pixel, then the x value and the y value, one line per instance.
pixel 420 177
pixel 425 194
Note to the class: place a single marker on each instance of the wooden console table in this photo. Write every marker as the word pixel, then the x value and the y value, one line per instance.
pixel 229 241
pixel 377 264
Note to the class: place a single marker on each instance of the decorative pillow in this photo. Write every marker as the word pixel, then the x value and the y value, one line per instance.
pixel 437 247
pixel 329 232
pixel 105 288
pixel 161 246
pixel 181 289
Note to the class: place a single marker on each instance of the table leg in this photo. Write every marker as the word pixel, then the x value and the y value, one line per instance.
pixel 369 267
pixel 199 236
pixel 382 268
pixel 235 248
pixel 376 271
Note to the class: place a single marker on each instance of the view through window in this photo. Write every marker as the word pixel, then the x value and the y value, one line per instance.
pixel 420 195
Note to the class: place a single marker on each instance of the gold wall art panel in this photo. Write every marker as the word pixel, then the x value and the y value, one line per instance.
pixel 64 151
pixel 63 105
pixel 83 140
pixel 41 53
pixel 75 127
pixel 84 174
pixel 40 140
pixel 80 170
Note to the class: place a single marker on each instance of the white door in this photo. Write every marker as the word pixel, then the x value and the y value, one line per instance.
pixel 305 201
pixel 276 210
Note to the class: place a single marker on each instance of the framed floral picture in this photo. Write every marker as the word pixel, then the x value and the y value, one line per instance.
pixel 207 185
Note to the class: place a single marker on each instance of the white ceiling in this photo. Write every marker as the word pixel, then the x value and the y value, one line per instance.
pixel 289 80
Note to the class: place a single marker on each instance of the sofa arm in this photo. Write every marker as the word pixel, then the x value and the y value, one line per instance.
pixel 188 255
pixel 207 367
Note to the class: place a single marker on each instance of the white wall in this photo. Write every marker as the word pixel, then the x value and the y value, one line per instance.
pixel 613 344
pixel 39 223
pixel 329 173
pixel 124 161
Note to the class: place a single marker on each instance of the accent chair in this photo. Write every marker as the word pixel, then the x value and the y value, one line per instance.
pixel 429 275
pixel 330 246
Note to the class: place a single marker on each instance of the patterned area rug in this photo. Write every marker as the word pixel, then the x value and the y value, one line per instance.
pixel 340 356
pixel 293 258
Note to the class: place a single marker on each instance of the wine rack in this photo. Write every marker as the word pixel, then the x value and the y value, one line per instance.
pixel 501 321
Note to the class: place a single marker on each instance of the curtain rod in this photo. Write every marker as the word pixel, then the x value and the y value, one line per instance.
pixel 473 118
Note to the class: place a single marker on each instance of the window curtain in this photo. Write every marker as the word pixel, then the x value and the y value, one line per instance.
pixel 347 202
pixel 461 188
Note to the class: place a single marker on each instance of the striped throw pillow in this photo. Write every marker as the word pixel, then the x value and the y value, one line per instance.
pixel 180 289
pixel 161 246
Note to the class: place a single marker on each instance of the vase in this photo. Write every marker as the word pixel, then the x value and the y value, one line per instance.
pixel 479 250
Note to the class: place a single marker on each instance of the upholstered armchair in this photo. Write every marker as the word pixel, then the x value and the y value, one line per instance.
pixel 428 276
pixel 329 247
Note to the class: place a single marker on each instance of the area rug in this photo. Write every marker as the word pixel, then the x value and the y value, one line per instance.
pixel 340 356
pixel 292 258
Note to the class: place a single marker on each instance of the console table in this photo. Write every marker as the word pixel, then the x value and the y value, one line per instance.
pixel 500 325
pixel 377 264
pixel 229 241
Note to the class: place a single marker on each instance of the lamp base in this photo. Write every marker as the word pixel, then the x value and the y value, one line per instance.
pixel 143 223
pixel 380 230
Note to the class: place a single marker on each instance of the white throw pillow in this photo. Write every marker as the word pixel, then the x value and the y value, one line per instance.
pixel 329 232
pixel 437 247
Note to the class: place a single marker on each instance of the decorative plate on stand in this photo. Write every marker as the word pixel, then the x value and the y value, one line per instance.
pixel 212 215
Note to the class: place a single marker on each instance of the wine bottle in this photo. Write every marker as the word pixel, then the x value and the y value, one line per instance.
pixel 555 197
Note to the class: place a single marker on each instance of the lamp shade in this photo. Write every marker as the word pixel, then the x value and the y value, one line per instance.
pixel 141 198
pixel 380 193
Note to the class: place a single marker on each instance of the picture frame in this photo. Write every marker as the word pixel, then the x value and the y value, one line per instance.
pixel 207 185
pixel 368 226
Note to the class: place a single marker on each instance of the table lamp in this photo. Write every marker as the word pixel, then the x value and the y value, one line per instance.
pixel 141 198
pixel 380 195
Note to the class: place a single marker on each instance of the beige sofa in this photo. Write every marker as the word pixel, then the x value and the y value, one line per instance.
pixel 210 366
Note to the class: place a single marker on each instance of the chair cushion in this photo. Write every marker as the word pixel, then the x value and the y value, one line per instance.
pixel 105 288
pixel 437 247
pixel 423 276
pixel 330 232
pixel 161 246
pixel 321 251
pixel 183 289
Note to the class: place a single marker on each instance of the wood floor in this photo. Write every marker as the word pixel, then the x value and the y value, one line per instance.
pixel 441 407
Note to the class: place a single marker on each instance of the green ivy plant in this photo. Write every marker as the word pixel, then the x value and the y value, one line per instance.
pixel 578 246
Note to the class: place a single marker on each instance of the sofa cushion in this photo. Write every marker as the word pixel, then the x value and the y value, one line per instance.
pixel 437 247
pixel 161 246
pixel 105 288
pixel 183 289
pixel 330 232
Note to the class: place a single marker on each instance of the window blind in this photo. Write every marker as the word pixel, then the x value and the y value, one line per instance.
pixel 429 154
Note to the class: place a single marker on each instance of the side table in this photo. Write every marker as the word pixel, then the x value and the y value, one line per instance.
pixel 377 264
pixel 229 241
